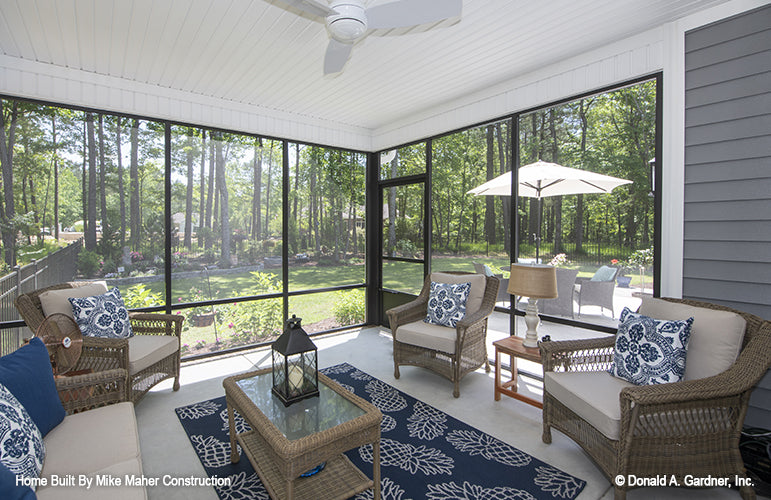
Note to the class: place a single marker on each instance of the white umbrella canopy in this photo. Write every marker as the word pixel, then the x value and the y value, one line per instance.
pixel 541 179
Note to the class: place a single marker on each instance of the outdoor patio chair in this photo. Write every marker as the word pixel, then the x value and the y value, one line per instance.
pixel 598 290
pixel 691 427
pixel 503 294
pixel 563 304
pixel 450 352
pixel 150 356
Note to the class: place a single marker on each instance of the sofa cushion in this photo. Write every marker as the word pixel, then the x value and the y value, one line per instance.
pixel 102 316
pixel 447 303
pixel 87 442
pixel 131 468
pixel 439 338
pixel 146 350
pixel 594 396
pixel 55 301
pixel 22 449
pixel 27 373
pixel 650 351
pixel 478 286
pixel 716 336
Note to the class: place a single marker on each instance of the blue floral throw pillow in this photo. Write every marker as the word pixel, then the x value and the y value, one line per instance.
pixel 650 351
pixel 447 303
pixel 102 315
pixel 21 445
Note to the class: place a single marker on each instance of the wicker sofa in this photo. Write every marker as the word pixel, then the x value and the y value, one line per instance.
pixel 97 437
pixel 691 427
pixel 150 356
pixel 450 352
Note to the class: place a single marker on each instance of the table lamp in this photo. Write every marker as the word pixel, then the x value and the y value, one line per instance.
pixel 534 282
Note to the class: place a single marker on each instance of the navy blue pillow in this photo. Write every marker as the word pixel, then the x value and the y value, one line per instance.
pixel 8 488
pixel 27 373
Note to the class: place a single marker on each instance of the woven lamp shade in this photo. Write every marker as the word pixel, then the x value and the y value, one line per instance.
pixel 537 282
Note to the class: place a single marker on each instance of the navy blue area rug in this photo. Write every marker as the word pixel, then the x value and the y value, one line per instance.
pixel 424 453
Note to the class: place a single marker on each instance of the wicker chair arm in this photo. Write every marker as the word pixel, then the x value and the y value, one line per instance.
pixel 103 354
pixel 407 313
pixel 577 355
pixel 92 390
pixel 156 323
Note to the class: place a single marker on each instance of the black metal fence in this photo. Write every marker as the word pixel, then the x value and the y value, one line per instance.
pixel 56 267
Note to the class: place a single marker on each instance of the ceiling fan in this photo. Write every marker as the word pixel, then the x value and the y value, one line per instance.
pixel 347 21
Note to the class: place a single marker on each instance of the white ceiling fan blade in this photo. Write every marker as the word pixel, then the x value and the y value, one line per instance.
pixel 310 7
pixel 336 56
pixel 404 13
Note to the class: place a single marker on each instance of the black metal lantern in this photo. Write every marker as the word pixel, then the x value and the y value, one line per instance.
pixel 295 364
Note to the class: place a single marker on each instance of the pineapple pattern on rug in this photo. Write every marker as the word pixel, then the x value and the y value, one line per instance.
pixel 424 453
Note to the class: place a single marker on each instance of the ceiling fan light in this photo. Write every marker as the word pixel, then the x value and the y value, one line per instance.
pixel 349 24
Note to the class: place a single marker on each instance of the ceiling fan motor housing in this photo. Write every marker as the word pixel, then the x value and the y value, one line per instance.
pixel 350 22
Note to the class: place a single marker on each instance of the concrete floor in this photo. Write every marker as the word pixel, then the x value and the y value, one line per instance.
pixel 167 451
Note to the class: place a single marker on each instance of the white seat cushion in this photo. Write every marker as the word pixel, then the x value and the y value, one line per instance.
pixel 92 440
pixel 100 441
pixel 478 286
pixel 145 350
pixel 55 301
pixel 440 338
pixel 716 336
pixel 591 395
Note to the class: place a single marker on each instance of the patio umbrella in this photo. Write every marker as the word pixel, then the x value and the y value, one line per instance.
pixel 541 179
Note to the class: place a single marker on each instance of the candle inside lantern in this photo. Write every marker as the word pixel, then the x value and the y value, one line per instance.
pixel 296 377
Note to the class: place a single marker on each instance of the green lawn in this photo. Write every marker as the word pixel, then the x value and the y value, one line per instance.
pixel 315 309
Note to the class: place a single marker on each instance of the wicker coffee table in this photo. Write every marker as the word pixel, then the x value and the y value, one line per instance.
pixel 287 442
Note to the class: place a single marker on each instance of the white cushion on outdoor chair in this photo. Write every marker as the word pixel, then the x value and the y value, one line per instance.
pixel 716 336
pixel 419 333
pixel 593 396
pixel 55 301
pixel 478 286
pixel 146 350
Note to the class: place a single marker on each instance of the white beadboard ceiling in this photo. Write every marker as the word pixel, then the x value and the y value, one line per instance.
pixel 253 52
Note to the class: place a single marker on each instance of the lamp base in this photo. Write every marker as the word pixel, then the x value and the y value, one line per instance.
pixel 531 320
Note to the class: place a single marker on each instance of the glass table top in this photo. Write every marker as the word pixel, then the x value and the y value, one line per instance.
pixel 304 417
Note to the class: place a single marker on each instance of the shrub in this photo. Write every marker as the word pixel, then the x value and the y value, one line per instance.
pixel 89 263
pixel 140 295
pixel 350 307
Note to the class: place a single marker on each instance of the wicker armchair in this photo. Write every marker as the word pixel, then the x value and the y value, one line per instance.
pixel 688 427
pixel 465 348
pixel 101 354
pixel 563 304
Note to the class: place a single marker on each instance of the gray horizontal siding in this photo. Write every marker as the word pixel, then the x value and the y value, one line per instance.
pixel 726 210
pixel 746 168
pixel 727 204
pixel 741 107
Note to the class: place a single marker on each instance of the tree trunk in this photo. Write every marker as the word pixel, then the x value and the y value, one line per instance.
pixel 392 207
pixel 7 143
pixel 121 191
pixel 202 190
pixel 56 176
pixel 557 200
pixel 90 236
pixel 504 166
pixel 257 198
pixel 135 222
pixel 579 236
pixel 102 177
pixel 187 241
pixel 267 190
pixel 224 206
pixel 210 193
pixel 490 235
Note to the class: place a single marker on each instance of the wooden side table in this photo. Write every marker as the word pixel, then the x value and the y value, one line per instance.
pixel 514 348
